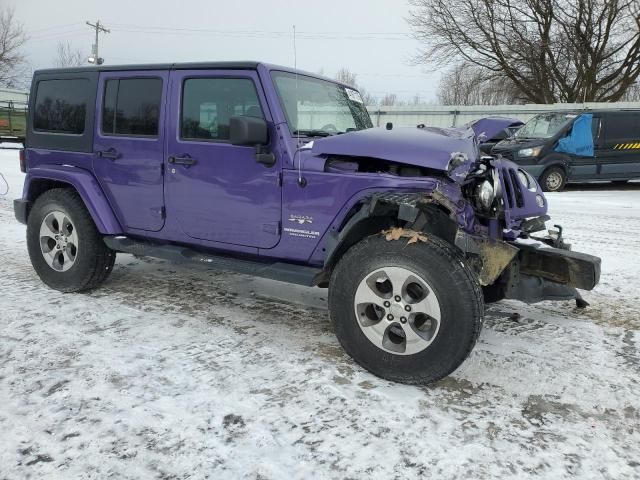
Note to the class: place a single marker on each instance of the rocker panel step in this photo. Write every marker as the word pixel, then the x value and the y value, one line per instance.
pixel 283 272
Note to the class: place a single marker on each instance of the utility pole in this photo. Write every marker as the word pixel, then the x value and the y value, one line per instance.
pixel 95 58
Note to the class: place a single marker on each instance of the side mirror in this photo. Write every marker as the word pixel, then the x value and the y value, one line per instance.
pixel 248 131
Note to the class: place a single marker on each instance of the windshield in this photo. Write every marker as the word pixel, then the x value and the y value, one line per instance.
pixel 316 107
pixel 545 125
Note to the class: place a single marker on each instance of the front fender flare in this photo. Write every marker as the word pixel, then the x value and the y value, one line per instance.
pixel 381 210
pixel 555 159
pixel 87 187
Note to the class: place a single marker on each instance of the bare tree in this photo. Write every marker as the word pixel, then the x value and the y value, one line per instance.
pixel 12 38
pixel 68 56
pixel 550 50
pixel 367 98
pixel 389 100
pixel 633 94
pixel 346 76
pixel 469 84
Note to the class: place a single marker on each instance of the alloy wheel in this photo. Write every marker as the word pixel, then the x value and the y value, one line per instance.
pixel 397 310
pixel 58 241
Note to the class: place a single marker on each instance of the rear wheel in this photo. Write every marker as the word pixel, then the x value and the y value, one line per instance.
pixel 407 313
pixel 553 179
pixel 66 250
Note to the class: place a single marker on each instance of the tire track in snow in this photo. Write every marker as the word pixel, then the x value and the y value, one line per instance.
pixel 169 371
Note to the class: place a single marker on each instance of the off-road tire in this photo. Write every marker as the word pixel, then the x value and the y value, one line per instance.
pixel 94 261
pixel 457 290
pixel 548 180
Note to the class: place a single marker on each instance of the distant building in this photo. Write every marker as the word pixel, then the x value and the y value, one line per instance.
pixel 18 97
pixel 13 113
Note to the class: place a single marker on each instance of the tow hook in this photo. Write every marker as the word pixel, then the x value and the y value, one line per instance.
pixel 557 240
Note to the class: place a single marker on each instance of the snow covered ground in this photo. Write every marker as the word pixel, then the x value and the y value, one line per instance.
pixel 176 372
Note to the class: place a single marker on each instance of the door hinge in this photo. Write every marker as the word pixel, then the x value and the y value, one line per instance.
pixel 162 169
pixel 279 179
pixel 163 212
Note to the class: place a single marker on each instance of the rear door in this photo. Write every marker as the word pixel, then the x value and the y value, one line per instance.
pixel 217 191
pixel 129 145
pixel 619 156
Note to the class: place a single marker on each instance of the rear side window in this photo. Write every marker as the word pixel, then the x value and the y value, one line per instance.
pixel 209 103
pixel 622 127
pixel 131 106
pixel 61 106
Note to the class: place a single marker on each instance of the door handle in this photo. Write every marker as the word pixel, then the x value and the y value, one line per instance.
pixel 111 154
pixel 185 160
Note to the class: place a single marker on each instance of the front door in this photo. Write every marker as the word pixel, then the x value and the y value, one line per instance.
pixel 129 146
pixel 620 155
pixel 217 191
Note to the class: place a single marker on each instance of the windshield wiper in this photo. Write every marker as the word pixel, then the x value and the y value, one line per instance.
pixel 312 133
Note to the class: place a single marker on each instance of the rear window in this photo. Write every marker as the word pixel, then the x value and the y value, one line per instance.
pixel 131 107
pixel 61 106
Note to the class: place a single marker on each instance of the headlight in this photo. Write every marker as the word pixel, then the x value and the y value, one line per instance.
pixel 530 152
pixel 486 194
pixel 528 181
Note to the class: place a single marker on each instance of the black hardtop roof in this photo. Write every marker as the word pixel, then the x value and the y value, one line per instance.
pixel 156 66
pixel 233 65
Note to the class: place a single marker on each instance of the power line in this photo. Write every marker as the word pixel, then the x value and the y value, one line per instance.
pixel 54 27
pixel 134 28
pixel 45 36
pixel 286 33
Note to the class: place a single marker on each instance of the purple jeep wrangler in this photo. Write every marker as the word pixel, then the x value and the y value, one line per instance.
pixel 270 172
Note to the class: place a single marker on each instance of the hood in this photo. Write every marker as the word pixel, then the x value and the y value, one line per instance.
pixel 427 147
pixel 515 143
pixel 492 126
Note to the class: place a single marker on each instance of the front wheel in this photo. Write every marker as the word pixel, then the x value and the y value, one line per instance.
pixel 65 247
pixel 553 179
pixel 410 313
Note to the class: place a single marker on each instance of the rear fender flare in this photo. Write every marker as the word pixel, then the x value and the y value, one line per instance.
pixel 84 183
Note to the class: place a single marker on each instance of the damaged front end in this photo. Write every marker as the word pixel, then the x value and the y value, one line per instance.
pixel 488 207
pixel 540 267
pixel 492 216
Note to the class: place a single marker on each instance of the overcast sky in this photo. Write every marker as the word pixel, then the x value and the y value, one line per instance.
pixel 370 37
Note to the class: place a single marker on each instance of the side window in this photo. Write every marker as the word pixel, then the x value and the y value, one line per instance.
pixel 209 103
pixel 131 106
pixel 61 106
pixel 622 127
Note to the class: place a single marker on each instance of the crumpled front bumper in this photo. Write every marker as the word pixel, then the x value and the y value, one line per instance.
pixel 577 269
pixel 531 272
pixel 547 273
